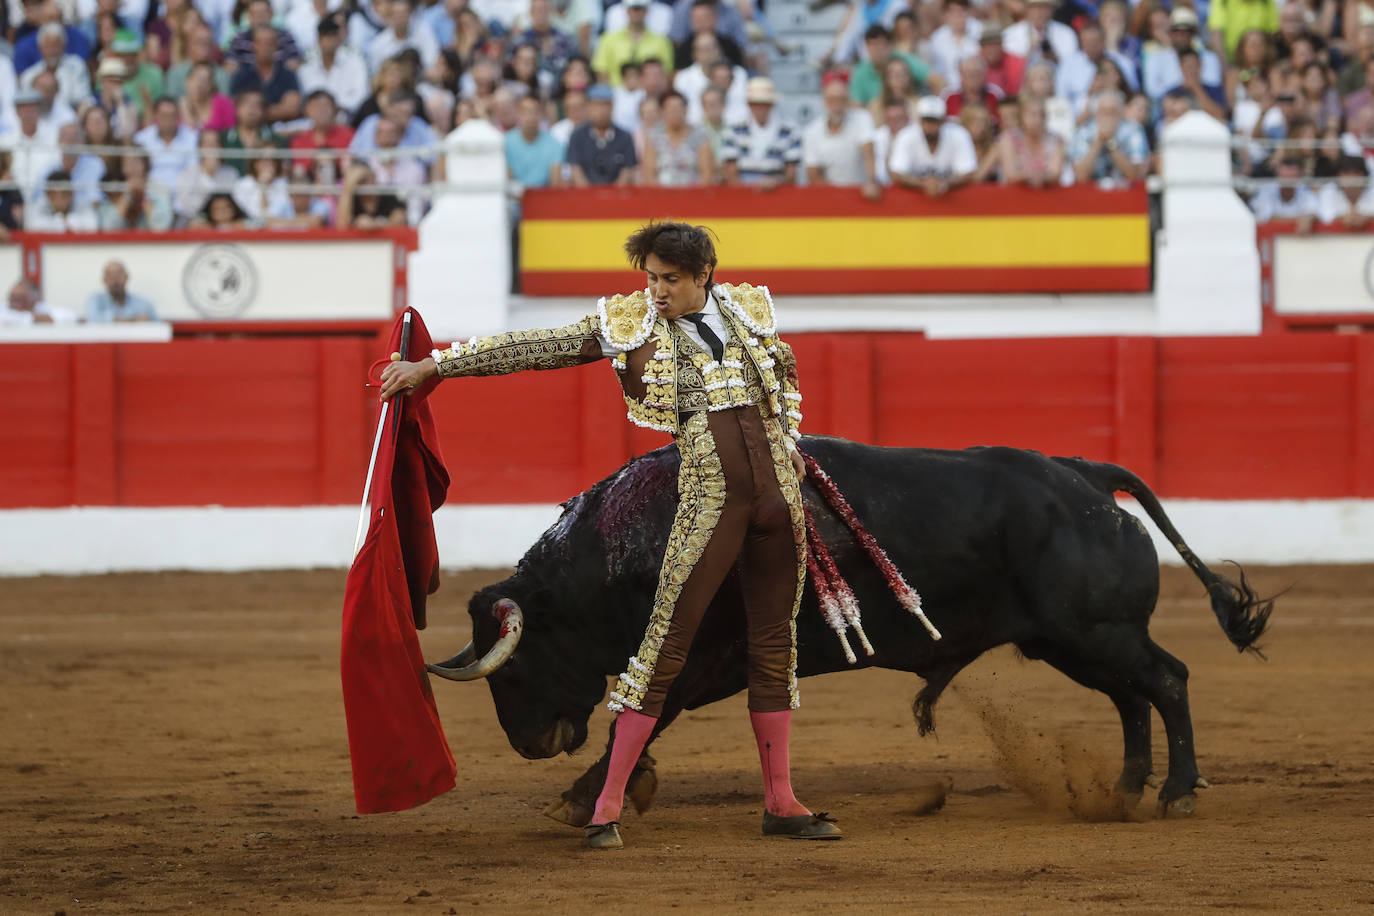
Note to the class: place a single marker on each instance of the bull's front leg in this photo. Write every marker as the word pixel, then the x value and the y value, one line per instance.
pixel 575 806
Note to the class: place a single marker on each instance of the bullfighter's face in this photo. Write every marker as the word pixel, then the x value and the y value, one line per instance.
pixel 675 291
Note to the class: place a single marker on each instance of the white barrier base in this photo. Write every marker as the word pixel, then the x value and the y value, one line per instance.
pixel 99 540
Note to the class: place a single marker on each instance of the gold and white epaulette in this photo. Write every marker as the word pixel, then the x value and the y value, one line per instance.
pixel 753 305
pixel 626 321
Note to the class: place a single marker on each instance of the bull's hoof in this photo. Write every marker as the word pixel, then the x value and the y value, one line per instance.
pixel 1182 806
pixel 566 811
pixel 641 790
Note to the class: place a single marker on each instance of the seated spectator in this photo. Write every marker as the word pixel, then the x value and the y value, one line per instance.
pixel 222 213
pixel 933 155
pixel 307 211
pixel 334 66
pixel 956 39
pixel 11 201
pixel 1350 200
pixel 55 210
pixel 1075 76
pixel 533 157
pixel 400 109
pixel 523 75
pixel 1161 71
pixel 370 210
pixel 171 145
pixel 280 89
pixel 26 47
pixel 729 22
pixel 1059 114
pixel 896 116
pixel 1289 200
pixel 202 106
pixel 1319 99
pixel 974 89
pixel 1112 15
pixel 200 49
pixel 115 303
pixel 898 87
pixel 1229 20
pixel 1110 149
pixel 143 204
pixel 906 34
pixel 1029 154
pixel 143 78
pixel 31 147
pixel 705 19
pixel 764 150
pixel 633 43
pixel 113 98
pixel 249 132
pixel 1362 97
pixel 262 194
pixel 96 131
pixel 554 46
pixel 1003 71
pixel 52 111
pixel 325 133
pixel 677 153
pixel 204 177
pixel 1293 31
pixel 867 79
pixel 837 147
pixel 26 307
pixel 1353 74
pixel 86 170
pixel 628 95
pixel 658 18
pixel 1210 97
pixel 1254 55
pixel 649 116
pixel 574 116
pixel 73 79
pixel 977 120
pixel 242 52
pixel 713 123
pixel 398 169
pixel 599 152
pixel 1257 118
pixel 1040 36
pixel 693 80
pixel 391 79
pixel 402 32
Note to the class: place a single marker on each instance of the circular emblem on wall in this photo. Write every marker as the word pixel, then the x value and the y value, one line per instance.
pixel 220 281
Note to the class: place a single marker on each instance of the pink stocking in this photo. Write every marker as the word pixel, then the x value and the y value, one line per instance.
pixel 771 730
pixel 631 733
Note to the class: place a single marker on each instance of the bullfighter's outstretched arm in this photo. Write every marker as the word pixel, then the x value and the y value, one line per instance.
pixel 516 351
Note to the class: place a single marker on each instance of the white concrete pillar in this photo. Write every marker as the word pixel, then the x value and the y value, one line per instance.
pixel 1207 268
pixel 459 278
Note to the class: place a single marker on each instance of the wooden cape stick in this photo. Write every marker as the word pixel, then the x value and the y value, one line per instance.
pixel 376 443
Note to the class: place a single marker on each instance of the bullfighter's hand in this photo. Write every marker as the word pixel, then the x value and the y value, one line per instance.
pixel 798 464
pixel 402 375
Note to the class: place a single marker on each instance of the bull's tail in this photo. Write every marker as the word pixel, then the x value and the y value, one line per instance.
pixel 1242 614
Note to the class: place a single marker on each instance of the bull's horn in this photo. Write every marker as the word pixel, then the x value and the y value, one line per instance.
pixel 462 668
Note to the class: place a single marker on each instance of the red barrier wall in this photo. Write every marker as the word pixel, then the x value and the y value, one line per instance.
pixel 287 421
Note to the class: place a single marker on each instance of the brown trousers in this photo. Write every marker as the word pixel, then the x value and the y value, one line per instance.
pixel 756 527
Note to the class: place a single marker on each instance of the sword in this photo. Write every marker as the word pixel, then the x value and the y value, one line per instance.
pixel 376 443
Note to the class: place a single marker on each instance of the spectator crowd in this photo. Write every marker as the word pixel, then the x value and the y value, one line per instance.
pixel 153 114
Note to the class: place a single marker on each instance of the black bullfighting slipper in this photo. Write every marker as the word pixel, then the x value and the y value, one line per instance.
pixel 819 826
pixel 604 836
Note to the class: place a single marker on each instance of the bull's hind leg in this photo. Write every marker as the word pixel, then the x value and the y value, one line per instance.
pixel 1167 688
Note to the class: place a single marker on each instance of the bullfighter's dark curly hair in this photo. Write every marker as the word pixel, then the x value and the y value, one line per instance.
pixel 680 244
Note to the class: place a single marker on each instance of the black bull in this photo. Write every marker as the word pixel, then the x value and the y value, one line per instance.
pixel 1004 545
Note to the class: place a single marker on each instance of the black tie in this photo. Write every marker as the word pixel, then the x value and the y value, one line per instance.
pixel 708 335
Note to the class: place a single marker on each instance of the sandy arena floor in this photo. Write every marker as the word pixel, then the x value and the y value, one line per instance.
pixel 175 743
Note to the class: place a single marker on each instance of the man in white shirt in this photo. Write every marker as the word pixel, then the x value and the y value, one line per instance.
pixel 53 111
pixel 171 145
pixel 335 67
pixel 954 41
pixel 1039 37
pixel 896 116
pixel 1074 78
pixel 1289 201
pixel 1161 71
pixel 73 79
pixel 25 307
pixel 932 155
pixel 403 32
pixel 33 147
pixel 55 211
pixel 837 147
pixel 1256 117
pixel 1351 201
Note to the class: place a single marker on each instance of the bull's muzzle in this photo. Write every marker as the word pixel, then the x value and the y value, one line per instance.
pixel 466 666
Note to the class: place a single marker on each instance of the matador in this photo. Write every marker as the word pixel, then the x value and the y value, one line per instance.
pixel 704 362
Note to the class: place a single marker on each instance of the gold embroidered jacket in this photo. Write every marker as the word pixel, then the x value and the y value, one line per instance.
pixel 663 375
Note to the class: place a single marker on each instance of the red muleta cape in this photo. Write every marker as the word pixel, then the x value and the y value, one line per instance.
pixel 400 755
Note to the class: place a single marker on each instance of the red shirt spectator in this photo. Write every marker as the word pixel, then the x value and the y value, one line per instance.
pixel 325 133
pixel 974 89
pixel 1003 70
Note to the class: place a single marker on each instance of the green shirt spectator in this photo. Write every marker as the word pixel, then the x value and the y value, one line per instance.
pixel 632 44
pixel 145 86
pixel 1231 19
pixel 866 80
